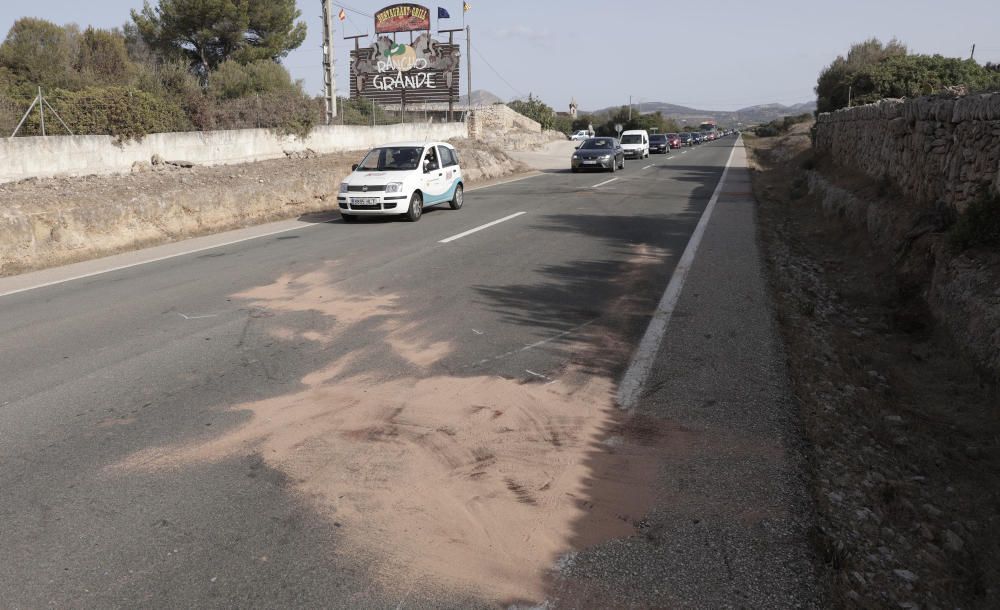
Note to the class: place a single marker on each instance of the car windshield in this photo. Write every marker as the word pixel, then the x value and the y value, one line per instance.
pixel 391 158
pixel 657 138
pixel 631 138
pixel 671 135
pixel 598 143
pixel 685 135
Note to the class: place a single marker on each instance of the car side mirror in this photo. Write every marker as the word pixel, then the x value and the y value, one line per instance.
pixel 354 167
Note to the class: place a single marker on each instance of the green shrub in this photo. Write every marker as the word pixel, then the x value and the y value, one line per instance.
pixel 285 113
pixel 357 111
pixel 234 80
pixel 780 126
pixel 535 109
pixel 873 71
pixel 125 113
pixel 979 225
pixel 39 53
pixel 10 114
pixel 103 59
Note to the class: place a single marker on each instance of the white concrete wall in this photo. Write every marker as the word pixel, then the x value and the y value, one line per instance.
pixel 32 157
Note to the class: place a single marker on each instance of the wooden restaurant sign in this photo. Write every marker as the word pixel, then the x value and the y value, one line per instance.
pixel 425 70
pixel 402 18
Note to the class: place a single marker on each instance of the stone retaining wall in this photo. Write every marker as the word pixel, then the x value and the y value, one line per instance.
pixel 498 118
pixel 935 149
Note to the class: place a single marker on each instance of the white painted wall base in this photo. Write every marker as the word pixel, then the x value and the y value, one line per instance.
pixel 37 157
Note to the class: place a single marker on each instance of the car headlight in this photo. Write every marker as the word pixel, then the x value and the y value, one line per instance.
pixel 343 187
pixel 605 157
pixel 394 187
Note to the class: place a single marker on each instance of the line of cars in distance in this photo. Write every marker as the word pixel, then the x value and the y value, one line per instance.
pixel 608 153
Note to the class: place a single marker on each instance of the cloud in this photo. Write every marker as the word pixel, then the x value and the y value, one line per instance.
pixel 527 34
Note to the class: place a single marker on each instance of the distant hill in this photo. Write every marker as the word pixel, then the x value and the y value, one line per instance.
pixel 752 114
pixel 480 97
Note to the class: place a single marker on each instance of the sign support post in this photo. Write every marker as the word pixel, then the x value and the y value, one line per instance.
pixel 468 65
pixel 329 79
pixel 451 41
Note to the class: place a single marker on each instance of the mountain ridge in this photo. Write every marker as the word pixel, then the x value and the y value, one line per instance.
pixel 760 113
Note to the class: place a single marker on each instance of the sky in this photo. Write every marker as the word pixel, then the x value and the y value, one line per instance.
pixel 709 54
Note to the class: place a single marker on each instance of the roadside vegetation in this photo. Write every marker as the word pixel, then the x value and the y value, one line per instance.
pixel 873 70
pixel 604 122
pixel 173 67
pixel 781 126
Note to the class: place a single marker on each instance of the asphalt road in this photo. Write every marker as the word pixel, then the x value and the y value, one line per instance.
pixel 99 370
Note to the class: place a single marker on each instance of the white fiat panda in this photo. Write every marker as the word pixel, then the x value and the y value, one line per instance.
pixel 402 179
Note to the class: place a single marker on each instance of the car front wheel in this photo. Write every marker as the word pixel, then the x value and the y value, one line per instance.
pixel 416 208
pixel 459 198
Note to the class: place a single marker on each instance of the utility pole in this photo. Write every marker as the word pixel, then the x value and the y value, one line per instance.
pixel 973 54
pixel 849 91
pixel 329 79
pixel 468 63
pixel 630 107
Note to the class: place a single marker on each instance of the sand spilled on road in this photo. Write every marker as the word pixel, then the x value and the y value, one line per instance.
pixel 468 483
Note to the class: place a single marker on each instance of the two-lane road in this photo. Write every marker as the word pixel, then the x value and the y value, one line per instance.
pixel 343 415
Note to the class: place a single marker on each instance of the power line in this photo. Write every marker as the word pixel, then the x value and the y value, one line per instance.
pixel 495 71
pixel 354 10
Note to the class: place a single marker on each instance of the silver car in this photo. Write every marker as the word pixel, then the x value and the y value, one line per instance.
pixel 598 153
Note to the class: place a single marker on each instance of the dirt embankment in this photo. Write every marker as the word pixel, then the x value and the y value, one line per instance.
pixel 48 222
pixel 903 427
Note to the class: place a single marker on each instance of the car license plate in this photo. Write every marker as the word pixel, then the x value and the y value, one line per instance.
pixel 590 162
pixel 364 200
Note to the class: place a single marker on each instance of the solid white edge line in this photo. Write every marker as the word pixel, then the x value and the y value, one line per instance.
pixel 202 249
pixel 642 361
pixel 603 183
pixel 480 228
pixel 647 167
pixel 155 260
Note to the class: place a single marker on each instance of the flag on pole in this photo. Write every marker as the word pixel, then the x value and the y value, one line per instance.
pixel 443 13
pixel 341 15
pixel 465 7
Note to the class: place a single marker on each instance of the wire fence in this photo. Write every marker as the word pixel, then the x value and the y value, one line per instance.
pixel 10 114
pixel 133 114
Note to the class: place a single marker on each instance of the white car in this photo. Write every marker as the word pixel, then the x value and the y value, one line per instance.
pixel 403 179
pixel 583 134
pixel 635 143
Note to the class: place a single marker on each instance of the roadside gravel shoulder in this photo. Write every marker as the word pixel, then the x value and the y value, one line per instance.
pixel 731 524
pixel 902 432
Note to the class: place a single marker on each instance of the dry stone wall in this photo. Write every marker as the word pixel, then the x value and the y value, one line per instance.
pixel 935 149
pixel 498 118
